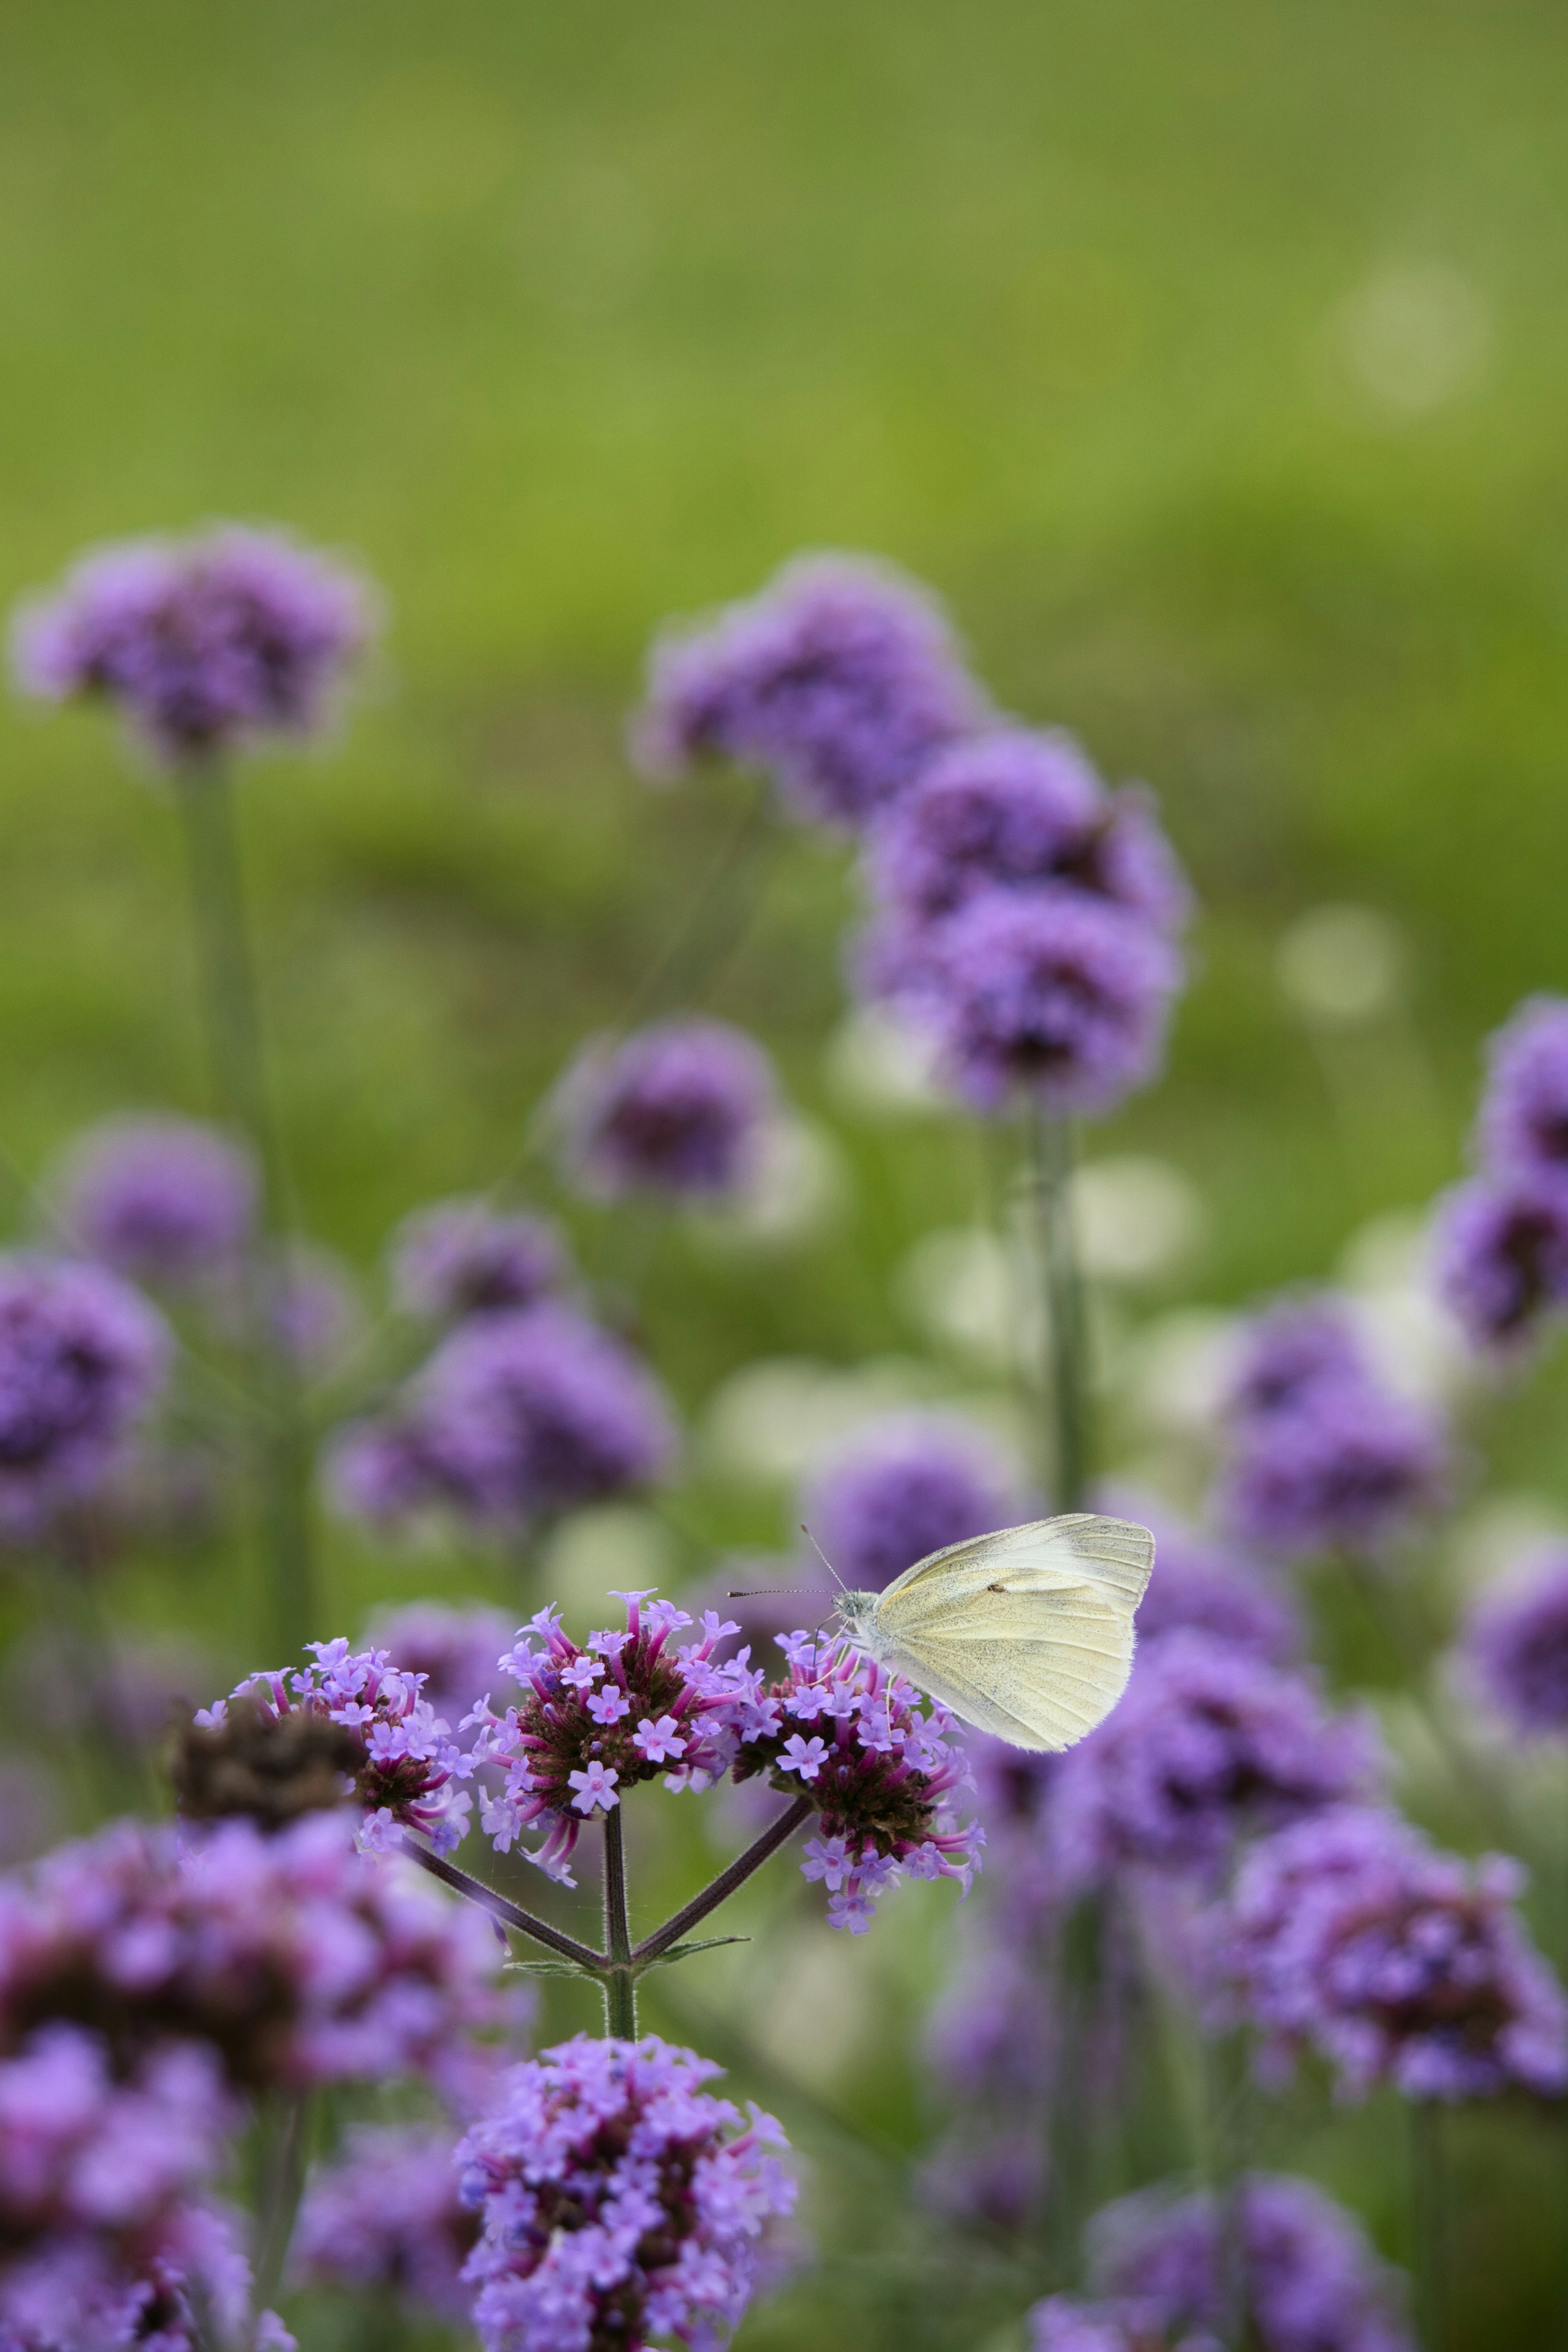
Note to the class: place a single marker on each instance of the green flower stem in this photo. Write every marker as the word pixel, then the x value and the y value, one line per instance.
pixel 720 1889
pixel 1048 1166
pixel 206 799
pixel 619 1978
pixel 1431 2221
pixel 285 2149
pixel 510 1914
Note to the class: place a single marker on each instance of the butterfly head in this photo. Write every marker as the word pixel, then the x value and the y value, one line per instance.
pixel 857 1614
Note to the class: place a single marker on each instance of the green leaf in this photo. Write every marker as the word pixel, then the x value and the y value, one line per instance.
pixel 684 1951
pixel 552 1969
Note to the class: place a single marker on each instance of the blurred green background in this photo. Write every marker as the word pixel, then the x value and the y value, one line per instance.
pixel 1208 360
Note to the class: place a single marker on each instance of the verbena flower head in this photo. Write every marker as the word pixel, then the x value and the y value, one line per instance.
pixel 517 1415
pixel 455 1651
pixel 386 2215
pixel 1515 1646
pixel 292 1956
pixel 1049 995
pixel 1523 1128
pixel 1291 1352
pixel 202 643
pixel 178 2284
pixel 1209 1743
pixel 903 1486
pixel 883 1775
pixel 1200 1585
pixel 1311 2281
pixel 620 2201
pixel 1066 2322
pixel 1351 1935
pixel 351 1728
pixel 628 1705
pixel 679 1108
pixel 462 1257
pixel 82 1357
pixel 1501 1255
pixel 840 679
pixel 1019 809
pixel 163 1200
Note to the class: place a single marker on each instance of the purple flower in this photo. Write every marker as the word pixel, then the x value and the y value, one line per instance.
pixel 1522 1127
pixel 456 1651
pixel 1201 1586
pixel 293 1959
pixel 1351 1935
pixel 462 1257
pixel 1310 2281
pixel 618 2202
pixel 678 1107
pixel 87 2143
pixel 563 1755
pixel 83 1357
pixel 1293 1351
pixel 903 1486
pixel 386 2215
pixel 162 1200
pixel 1209 1743
pixel 1515 1646
pixel 1501 1251
pixel 840 679
pixel 516 1415
pixel 882 1775
pixel 1021 810
pixel 1049 994
pixel 204 644
pixel 1064 2323
pixel 176 2284
pixel 351 1728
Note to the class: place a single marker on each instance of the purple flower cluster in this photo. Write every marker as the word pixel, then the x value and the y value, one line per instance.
pixel 387 2213
pixel 840 680
pixel 882 1774
pixel 87 2145
pixel 1515 1646
pixel 1027 917
pixel 619 2201
pixel 453 1651
pixel 595 1721
pixel 82 1357
pixel 166 1201
pixel 677 1108
pixel 1209 1743
pixel 903 1488
pixel 1323 1454
pixel 1308 2280
pixel 461 1257
pixel 202 643
pixel 292 1957
pixel 1502 1236
pixel 176 2284
pixel 1351 1935
pixel 1202 1586
pixel 517 1415
pixel 278 1745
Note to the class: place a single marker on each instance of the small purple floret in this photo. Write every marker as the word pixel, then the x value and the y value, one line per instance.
pixel 1501 1253
pixel 83 1358
pixel 1515 1645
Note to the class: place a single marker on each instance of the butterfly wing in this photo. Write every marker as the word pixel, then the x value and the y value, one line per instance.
pixel 1027 1633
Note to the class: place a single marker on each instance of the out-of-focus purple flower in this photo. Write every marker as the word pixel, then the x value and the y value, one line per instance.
pixel 87 2143
pixel 455 1651
pixel 884 1775
pixel 1501 1259
pixel 1515 1646
pixel 515 1416
pixel 594 1721
pixel 177 2283
pixel 1350 1935
pixel 840 679
pixel 1047 994
pixel 462 1257
pixel 204 644
pixel 987 2173
pixel 387 2213
pixel 1210 1742
pixel 903 1486
pixel 313 1306
pixel 1064 2322
pixel 1323 1454
pixel 619 2200
pixel 52 1688
pixel 163 1200
pixel 352 1727
pixel 1522 1127
pixel 82 1357
pixel 292 1956
pixel 679 1108
pixel 1200 1585
pixel 1019 810
pixel 1307 2279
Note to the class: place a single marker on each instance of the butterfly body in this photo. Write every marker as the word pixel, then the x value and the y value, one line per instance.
pixel 1026 1634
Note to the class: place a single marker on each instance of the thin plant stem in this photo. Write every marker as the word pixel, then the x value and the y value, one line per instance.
pixel 717 921
pixel 286 2144
pixel 720 1889
pixel 620 1979
pixel 500 1906
pixel 233 1029
pixel 1430 2221
pixel 1049 1153
pixel 73 1606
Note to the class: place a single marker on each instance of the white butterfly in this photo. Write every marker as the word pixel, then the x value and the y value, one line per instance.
pixel 1027 1633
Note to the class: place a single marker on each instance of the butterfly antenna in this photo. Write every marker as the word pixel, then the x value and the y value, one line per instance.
pixel 771 1592
pixel 822 1555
